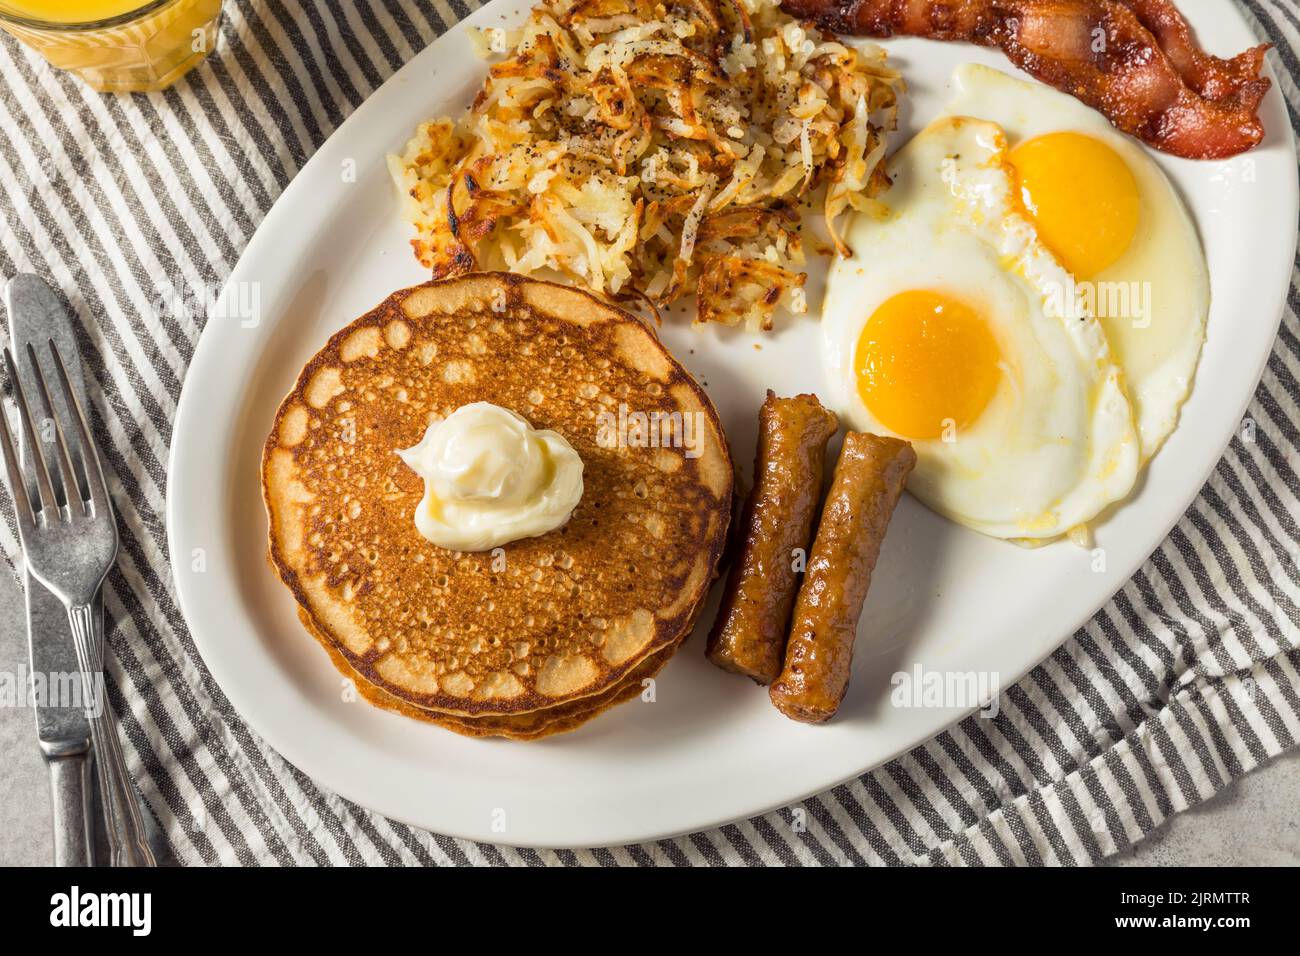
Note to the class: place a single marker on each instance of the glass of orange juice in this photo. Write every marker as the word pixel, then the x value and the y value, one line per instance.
pixel 117 45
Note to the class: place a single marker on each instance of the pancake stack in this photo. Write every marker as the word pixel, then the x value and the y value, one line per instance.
pixel 543 634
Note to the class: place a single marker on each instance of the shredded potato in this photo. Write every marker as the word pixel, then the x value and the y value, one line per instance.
pixel 652 150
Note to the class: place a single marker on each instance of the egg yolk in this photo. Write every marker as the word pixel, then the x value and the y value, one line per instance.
pixel 1081 196
pixel 926 363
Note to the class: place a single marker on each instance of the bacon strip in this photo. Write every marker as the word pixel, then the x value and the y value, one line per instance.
pixel 1135 61
pixel 1235 81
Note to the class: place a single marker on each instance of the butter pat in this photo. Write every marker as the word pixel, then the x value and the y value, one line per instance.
pixel 491 478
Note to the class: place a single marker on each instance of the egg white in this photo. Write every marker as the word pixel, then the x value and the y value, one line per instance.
pixel 1056 444
pixel 1158 347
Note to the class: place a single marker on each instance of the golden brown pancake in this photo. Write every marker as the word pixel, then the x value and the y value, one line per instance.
pixel 532 725
pixel 547 621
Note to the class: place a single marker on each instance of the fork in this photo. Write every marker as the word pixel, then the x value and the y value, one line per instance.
pixel 69 539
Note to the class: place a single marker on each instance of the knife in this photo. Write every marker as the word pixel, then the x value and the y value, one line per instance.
pixel 35 317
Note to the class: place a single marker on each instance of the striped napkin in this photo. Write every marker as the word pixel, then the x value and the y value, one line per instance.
pixel 1186 680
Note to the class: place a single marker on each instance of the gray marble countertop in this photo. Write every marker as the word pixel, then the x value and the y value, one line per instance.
pixel 1254 821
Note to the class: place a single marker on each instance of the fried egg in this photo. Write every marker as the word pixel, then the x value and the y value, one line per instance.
pixel 952 326
pixel 1105 209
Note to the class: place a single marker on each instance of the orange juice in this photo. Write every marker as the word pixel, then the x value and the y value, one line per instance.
pixel 73 11
pixel 117 45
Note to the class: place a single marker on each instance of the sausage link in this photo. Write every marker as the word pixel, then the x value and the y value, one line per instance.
pixel 748 635
pixel 868 482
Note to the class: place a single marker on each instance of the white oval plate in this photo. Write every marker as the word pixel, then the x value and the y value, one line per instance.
pixel 710 748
